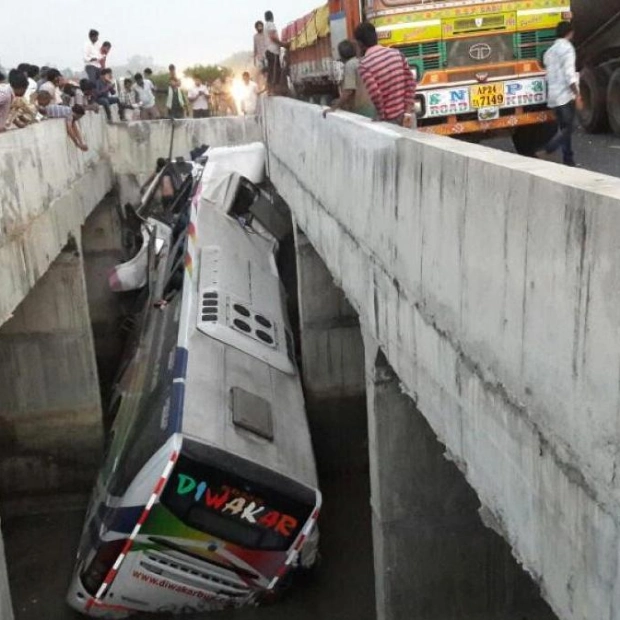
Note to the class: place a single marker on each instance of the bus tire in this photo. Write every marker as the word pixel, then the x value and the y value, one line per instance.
pixel 593 116
pixel 528 139
pixel 613 102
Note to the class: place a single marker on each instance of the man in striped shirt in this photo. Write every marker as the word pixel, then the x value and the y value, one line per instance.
pixel 71 116
pixel 387 77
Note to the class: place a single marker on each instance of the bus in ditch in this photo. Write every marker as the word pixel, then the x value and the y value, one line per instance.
pixel 208 497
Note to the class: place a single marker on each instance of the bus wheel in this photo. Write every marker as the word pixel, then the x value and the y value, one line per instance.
pixel 593 116
pixel 613 102
pixel 528 139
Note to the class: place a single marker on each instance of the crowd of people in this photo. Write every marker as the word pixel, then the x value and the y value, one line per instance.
pixel 30 94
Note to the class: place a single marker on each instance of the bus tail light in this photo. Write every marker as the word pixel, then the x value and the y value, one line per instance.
pixel 101 565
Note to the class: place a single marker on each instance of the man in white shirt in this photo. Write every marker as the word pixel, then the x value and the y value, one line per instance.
pixel 92 56
pixel 199 99
pixel 272 53
pixel 148 74
pixel 563 91
pixel 249 97
pixel 146 99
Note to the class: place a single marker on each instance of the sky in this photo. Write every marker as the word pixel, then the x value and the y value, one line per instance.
pixel 183 32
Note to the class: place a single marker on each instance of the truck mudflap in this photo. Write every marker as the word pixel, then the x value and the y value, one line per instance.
pixel 453 127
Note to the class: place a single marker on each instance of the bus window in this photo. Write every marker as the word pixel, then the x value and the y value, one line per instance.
pixel 233 508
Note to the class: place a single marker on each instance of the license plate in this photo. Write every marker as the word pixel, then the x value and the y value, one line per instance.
pixel 487 95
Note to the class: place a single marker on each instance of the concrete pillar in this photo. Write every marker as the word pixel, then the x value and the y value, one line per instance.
pixel 50 410
pixel 102 250
pixel 332 354
pixel 6 609
pixel 434 559
pixel 332 348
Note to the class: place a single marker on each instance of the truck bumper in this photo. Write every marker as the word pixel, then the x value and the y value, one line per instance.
pixel 454 127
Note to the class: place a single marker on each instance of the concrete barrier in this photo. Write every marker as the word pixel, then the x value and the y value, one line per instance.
pixel 135 146
pixel 492 284
pixel 47 188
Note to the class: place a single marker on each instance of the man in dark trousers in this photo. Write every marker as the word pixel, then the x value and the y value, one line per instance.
pixel 272 53
pixel 563 92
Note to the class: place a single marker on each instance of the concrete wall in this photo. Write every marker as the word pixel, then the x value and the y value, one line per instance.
pixel 135 147
pixel 47 189
pixel 492 284
pixel 332 349
pixel 50 410
pixel 6 608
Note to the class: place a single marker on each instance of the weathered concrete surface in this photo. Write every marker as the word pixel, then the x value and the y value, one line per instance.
pixel 492 283
pixel 135 147
pixel 47 189
pixel 102 251
pixel 434 558
pixel 332 349
pixel 50 411
pixel 6 608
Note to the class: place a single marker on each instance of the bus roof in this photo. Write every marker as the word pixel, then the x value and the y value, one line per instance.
pixel 242 390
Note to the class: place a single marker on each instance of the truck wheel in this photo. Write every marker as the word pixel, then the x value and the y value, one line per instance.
pixel 531 138
pixel 593 117
pixel 613 102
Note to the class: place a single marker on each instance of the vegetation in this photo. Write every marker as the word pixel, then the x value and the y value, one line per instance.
pixel 207 73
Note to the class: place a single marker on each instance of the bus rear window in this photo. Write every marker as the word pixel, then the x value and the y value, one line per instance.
pixel 234 508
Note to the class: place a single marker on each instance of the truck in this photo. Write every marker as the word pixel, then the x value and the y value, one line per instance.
pixel 478 63
pixel 597 38
pixel 314 67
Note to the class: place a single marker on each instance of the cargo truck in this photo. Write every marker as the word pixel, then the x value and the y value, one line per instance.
pixel 478 63
pixel 597 38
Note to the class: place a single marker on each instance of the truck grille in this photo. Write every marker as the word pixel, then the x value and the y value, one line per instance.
pixel 532 45
pixel 424 56
pixel 480 51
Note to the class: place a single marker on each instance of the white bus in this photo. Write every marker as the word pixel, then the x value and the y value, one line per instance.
pixel 208 496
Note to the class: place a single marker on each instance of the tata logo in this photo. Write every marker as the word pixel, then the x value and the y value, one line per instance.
pixel 479 21
pixel 480 51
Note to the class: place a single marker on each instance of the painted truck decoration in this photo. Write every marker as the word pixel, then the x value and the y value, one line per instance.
pixel 478 63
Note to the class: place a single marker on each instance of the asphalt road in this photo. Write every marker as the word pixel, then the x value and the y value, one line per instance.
pixel 598 153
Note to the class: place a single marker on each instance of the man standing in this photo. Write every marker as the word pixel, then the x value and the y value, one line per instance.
pixel 272 53
pixel 249 98
pixel 175 103
pixel 260 46
pixel 387 77
pixel 148 75
pixel 146 99
pixel 92 56
pixel 563 98
pixel 353 94
pixel 199 98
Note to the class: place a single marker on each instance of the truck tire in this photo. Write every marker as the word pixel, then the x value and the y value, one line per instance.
pixel 531 138
pixel 593 117
pixel 613 102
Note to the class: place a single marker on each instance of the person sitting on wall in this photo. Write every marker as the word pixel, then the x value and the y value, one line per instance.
pixel 71 116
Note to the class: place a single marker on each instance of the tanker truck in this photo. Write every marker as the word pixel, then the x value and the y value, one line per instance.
pixel 597 39
pixel 478 63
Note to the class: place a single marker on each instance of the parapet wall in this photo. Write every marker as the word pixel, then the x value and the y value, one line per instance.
pixel 48 187
pixel 492 284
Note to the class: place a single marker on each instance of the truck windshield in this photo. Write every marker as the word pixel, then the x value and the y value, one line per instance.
pixel 231 507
